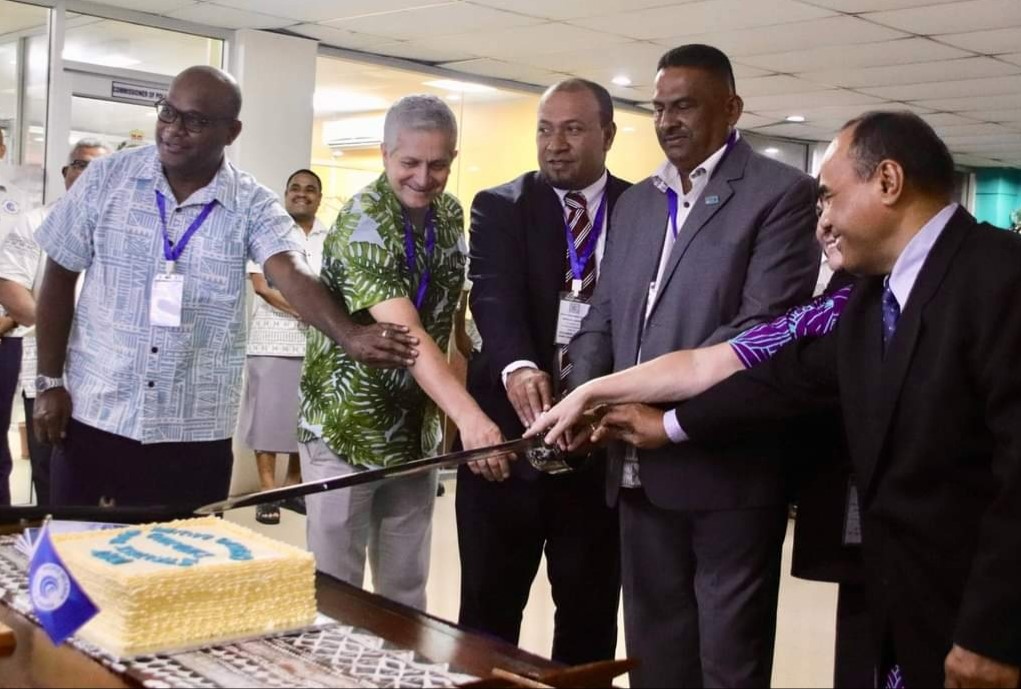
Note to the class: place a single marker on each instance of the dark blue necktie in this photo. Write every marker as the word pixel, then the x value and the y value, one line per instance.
pixel 891 312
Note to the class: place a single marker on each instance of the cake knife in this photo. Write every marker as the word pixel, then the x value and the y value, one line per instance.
pixel 540 455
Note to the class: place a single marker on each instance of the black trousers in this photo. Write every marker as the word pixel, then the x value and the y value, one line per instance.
pixel 854 662
pixel 10 367
pixel 92 465
pixel 503 529
pixel 39 455
pixel 700 593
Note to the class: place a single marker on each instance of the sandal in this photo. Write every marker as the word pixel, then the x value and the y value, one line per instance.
pixel 268 513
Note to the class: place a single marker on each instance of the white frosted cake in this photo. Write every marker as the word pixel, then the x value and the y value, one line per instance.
pixel 187 583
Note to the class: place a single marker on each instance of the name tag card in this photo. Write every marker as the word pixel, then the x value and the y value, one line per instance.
pixel 573 310
pixel 167 301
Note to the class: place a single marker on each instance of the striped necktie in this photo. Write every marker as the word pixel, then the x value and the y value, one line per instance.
pixel 891 313
pixel 581 227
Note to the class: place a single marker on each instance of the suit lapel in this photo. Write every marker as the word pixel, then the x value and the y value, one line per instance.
pixel 901 348
pixel 719 190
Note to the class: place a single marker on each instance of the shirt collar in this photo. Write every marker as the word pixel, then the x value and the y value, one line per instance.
pixel 592 192
pixel 667 175
pixel 909 263
pixel 223 186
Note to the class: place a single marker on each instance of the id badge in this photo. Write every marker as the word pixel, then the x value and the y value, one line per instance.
pixel 852 516
pixel 573 310
pixel 167 300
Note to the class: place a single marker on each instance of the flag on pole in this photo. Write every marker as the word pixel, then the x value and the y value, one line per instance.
pixel 59 602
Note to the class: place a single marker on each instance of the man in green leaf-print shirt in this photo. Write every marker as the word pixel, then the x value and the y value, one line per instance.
pixel 396 254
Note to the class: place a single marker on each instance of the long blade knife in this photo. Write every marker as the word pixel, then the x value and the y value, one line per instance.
pixel 521 445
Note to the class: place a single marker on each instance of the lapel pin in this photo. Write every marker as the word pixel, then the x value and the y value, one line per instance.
pixel 712 200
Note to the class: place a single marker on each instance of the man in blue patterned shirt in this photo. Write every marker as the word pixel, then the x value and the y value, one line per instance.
pixel 153 361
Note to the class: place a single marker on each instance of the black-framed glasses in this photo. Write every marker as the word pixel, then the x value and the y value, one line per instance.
pixel 78 164
pixel 194 123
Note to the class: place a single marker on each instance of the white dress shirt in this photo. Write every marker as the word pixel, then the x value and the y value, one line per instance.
pixel 593 197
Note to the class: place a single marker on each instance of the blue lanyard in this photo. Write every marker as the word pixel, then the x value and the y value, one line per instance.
pixel 671 195
pixel 579 261
pixel 170 252
pixel 410 253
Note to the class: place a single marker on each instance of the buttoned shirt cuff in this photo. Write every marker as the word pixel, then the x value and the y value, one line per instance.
pixel 673 427
pixel 515 366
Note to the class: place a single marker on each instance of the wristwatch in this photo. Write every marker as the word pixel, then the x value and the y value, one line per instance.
pixel 44 383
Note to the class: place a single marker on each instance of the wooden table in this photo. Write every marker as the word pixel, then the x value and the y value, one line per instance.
pixel 37 663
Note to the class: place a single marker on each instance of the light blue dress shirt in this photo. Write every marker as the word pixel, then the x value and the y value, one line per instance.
pixel 125 376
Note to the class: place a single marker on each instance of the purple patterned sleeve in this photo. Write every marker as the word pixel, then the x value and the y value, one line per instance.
pixel 813 319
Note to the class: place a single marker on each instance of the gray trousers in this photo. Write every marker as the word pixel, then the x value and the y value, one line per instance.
pixel 700 592
pixel 390 519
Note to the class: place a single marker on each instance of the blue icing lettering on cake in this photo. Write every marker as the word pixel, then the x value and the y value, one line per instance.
pixel 124 553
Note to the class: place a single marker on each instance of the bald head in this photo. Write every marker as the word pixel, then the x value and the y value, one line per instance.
pixel 211 84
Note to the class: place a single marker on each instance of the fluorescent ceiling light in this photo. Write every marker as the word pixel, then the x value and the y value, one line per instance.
pixel 338 100
pixel 458 86
pixel 795 118
pixel 772 151
pixel 622 80
pixel 627 130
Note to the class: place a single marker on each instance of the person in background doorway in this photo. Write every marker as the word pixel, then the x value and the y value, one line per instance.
pixel 268 422
pixel 21 271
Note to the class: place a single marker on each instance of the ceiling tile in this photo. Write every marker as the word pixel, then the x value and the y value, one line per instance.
pixel 775 85
pixel 778 39
pixel 854 6
pixel 973 129
pixel 798 131
pixel 701 17
pixel 331 35
pixel 571 9
pixel 948 89
pixel 796 102
pixel 750 120
pixel 975 141
pixel 152 6
pixel 941 70
pixel 994 115
pixel 1014 58
pixel 635 59
pixel 324 10
pixel 957 17
pixel 989 42
pixel 974 103
pixel 498 69
pixel 828 114
pixel 948 119
pixel 541 39
pixel 410 50
pixel 229 17
pixel 433 21
pixel 901 51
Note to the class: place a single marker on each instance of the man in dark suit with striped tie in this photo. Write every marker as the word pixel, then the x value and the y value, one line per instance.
pixel 536 244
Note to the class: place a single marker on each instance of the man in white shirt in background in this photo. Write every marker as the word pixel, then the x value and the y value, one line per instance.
pixel 268 420
pixel 21 271
pixel 13 204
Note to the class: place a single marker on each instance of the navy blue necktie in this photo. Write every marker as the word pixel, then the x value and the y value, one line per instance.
pixel 891 312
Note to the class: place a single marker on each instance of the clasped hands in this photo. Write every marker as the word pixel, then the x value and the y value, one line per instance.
pixel 577 423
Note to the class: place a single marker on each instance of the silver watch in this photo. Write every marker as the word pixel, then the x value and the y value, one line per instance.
pixel 44 383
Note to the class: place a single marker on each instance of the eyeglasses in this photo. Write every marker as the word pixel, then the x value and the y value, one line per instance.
pixel 194 123
pixel 78 164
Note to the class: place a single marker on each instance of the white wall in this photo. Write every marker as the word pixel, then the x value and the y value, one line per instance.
pixel 277 75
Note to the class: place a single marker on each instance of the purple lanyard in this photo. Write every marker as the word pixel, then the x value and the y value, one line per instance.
pixel 410 254
pixel 671 195
pixel 579 261
pixel 170 252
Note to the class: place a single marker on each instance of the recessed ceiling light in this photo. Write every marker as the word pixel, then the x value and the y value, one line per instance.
pixel 454 97
pixel 627 130
pixel 458 86
pixel 622 80
pixel 339 100
pixel 796 118
pixel 772 151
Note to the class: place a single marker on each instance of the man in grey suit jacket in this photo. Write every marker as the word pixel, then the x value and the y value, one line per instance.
pixel 700 538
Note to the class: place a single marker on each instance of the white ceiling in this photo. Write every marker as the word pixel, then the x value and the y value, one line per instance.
pixel 955 62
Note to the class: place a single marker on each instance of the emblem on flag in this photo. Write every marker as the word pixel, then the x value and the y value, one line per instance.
pixel 11 206
pixel 59 602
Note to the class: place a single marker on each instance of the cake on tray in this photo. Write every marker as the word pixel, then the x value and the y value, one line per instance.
pixel 187 583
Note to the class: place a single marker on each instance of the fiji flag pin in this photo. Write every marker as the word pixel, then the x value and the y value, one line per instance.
pixel 712 200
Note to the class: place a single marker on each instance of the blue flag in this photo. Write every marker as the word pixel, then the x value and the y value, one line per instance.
pixel 60 603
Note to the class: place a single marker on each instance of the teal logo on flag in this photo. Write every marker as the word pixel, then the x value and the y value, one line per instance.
pixel 59 602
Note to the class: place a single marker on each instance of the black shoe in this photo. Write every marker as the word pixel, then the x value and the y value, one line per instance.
pixel 268 513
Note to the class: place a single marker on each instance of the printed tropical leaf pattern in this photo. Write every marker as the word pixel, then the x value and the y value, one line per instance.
pixel 373 416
